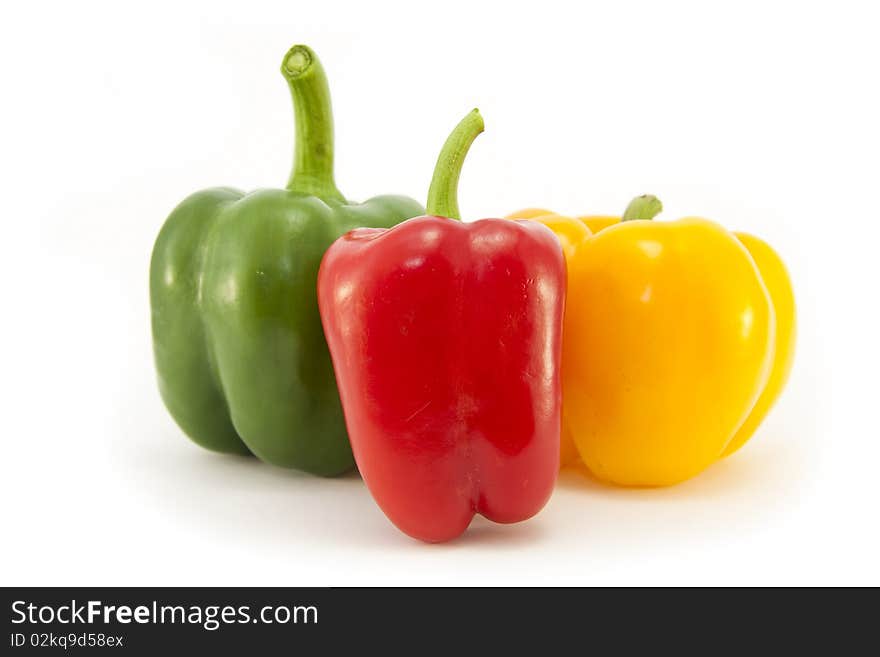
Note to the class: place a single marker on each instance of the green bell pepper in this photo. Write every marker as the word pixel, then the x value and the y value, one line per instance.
pixel 239 349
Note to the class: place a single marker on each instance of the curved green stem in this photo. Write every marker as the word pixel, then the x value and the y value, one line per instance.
pixel 443 193
pixel 313 154
pixel 645 206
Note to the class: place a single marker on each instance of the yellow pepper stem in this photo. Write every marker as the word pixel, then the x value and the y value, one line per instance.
pixel 645 206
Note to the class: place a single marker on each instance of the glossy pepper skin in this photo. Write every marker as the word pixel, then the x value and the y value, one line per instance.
pixel 446 339
pixel 679 337
pixel 241 358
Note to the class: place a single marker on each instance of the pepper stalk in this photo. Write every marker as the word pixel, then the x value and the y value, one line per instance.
pixel 443 192
pixel 312 172
pixel 644 207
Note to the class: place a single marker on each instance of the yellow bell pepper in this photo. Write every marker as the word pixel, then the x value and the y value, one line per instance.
pixel 678 338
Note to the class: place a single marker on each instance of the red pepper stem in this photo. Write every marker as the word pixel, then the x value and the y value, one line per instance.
pixel 313 116
pixel 443 193
pixel 645 206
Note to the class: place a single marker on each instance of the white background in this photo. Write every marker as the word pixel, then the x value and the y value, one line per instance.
pixel 761 115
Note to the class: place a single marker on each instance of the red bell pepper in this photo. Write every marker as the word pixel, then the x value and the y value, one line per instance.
pixel 446 339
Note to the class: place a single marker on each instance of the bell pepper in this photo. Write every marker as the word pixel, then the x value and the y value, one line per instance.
pixel 242 362
pixel 446 338
pixel 679 337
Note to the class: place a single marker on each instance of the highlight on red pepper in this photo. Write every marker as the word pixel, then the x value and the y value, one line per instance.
pixel 446 342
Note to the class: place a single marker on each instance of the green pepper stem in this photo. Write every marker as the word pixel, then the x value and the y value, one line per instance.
pixel 443 193
pixel 645 206
pixel 313 153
